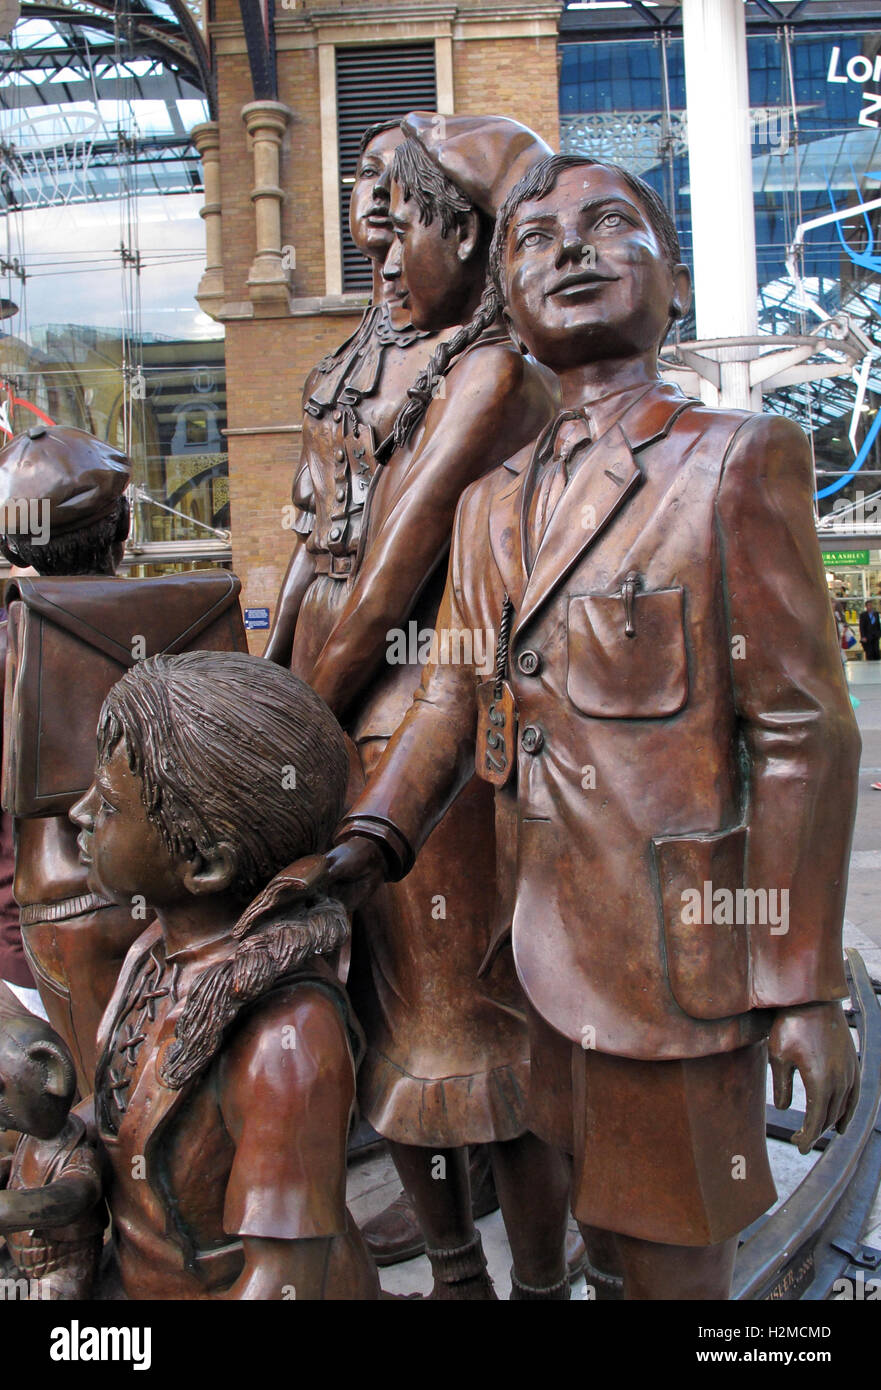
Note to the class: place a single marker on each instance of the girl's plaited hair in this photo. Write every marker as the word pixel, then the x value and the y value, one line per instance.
pixel 425 387
pixel 438 199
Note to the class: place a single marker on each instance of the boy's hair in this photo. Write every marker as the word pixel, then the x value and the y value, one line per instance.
pixel 230 748
pixel 378 128
pixel 543 180
pixel 88 550
pixel 436 196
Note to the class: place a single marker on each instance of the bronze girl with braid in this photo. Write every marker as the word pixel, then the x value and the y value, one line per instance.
pixel 447 1055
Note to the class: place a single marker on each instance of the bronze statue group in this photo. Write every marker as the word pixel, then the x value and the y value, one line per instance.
pixel 281 891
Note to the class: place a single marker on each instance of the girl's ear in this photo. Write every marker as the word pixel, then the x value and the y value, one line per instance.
pixel 212 873
pixel 468 232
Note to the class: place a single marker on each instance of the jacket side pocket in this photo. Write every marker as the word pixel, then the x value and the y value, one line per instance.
pixel 702 904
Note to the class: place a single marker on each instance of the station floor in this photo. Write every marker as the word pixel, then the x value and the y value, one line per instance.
pixel 373 1181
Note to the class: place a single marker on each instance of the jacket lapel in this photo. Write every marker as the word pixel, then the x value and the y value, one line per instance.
pixel 506 509
pixel 505 539
pixel 163 1099
pixel 607 476
pixel 137 953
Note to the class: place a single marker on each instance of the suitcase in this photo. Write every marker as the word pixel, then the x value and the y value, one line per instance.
pixel 70 640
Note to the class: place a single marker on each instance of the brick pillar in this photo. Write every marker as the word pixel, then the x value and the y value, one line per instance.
pixel 210 294
pixel 268 278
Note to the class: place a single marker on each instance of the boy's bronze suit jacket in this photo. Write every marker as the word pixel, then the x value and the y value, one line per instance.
pixel 714 749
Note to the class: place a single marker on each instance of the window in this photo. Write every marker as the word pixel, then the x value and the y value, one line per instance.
pixel 375 83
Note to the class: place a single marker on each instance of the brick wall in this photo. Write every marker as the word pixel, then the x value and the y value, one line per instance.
pixel 267 361
pixel 511 77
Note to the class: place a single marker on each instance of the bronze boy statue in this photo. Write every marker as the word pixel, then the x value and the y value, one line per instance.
pixel 671 733
pixel 71 632
pixel 226 1074
pixel 447 1052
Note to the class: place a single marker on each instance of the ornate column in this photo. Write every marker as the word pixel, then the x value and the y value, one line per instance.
pixel 268 278
pixel 210 294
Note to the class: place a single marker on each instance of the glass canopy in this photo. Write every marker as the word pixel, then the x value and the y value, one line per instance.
pixel 101 251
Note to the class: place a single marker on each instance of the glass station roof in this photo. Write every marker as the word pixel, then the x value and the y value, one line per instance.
pixel 95 109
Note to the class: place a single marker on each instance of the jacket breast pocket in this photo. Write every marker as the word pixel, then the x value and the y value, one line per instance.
pixel 613 675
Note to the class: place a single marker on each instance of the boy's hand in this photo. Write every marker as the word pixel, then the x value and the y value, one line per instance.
pixel 350 872
pixel 815 1040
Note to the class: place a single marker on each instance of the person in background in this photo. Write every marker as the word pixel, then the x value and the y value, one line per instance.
pixel 846 642
pixel 870 632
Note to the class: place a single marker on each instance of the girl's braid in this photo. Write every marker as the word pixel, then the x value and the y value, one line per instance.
pixel 424 388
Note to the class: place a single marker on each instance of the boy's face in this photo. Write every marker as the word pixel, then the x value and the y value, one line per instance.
pixel 434 277
pixel 585 276
pixel 121 847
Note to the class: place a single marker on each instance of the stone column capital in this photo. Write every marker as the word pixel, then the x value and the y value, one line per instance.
pixel 269 279
pixel 268 117
pixel 206 137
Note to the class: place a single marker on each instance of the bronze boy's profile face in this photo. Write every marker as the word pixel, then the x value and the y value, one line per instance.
pixel 369 219
pixel 586 276
pixel 122 848
pixel 438 270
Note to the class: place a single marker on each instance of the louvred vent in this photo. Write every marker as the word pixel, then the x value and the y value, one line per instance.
pixel 375 83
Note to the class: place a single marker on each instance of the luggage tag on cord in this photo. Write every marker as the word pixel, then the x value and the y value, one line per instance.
pixel 497 715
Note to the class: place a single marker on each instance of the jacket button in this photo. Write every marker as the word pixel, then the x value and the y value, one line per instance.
pixel 335 533
pixel 529 663
pixel 532 739
pixel 340 492
pixel 337 415
pixel 339 455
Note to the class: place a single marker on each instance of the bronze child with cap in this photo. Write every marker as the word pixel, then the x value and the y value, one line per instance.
pixel 63 511
pixel 664 727
pixel 71 631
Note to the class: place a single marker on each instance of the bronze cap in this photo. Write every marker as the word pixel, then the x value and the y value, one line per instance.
pixel 81 477
pixel 485 156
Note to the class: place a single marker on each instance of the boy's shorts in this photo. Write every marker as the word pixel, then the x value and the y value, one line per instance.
pixel 670 1151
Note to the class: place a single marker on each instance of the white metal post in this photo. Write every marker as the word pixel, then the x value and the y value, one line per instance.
pixel 720 178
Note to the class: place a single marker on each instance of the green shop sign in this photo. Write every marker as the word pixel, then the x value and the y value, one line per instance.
pixel 845 557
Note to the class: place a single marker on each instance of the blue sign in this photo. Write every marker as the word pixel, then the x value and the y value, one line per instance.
pixel 256 618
